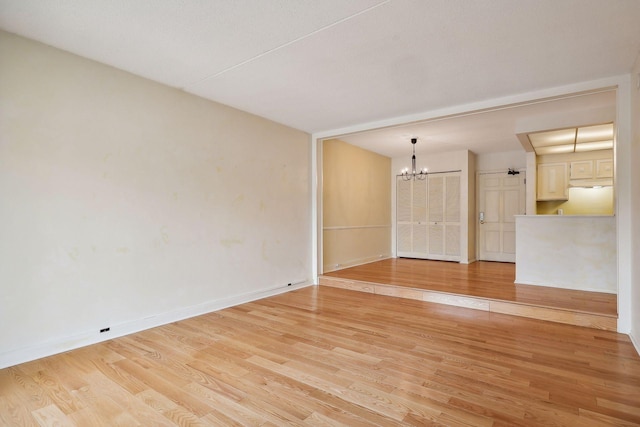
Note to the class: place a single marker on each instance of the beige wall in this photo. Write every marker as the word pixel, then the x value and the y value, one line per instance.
pixel 356 205
pixel 582 201
pixel 126 204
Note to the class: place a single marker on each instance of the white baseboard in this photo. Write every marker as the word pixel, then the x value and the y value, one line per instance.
pixel 636 343
pixel 354 262
pixel 525 282
pixel 49 348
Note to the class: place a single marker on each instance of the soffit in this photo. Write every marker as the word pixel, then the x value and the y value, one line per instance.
pixel 496 130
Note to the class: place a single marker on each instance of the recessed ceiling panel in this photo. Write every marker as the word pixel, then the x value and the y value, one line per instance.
pixel 594 145
pixel 586 138
pixel 554 137
pixel 595 133
pixel 555 149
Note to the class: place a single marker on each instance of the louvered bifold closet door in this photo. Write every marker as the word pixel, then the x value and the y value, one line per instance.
pixel 444 216
pixel 411 218
pixel 428 217
pixel 404 226
pixel 419 218
pixel 452 217
pixel 436 216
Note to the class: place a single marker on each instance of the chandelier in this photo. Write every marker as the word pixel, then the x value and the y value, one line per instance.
pixel 408 176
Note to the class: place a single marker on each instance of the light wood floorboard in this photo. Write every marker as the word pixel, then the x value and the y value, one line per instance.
pixel 326 356
pixel 484 286
pixel 492 280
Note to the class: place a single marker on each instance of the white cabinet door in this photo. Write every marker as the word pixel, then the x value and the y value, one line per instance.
pixel 552 181
pixel 604 168
pixel 582 169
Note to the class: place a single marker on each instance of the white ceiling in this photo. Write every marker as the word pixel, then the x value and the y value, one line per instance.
pixel 318 65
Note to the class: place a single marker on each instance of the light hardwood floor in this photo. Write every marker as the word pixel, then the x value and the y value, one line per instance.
pixel 487 286
pixel 492 280
pixel 326 356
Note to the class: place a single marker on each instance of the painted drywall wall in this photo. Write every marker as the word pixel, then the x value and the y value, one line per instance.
pixel 356 205
pixel 502 161
pixel 461 160
pixel 126 203
pixel 624 190
pixel 570 252
pixel 635 203
pixel 582 201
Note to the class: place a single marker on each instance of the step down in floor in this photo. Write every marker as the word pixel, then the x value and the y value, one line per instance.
pixel 570 317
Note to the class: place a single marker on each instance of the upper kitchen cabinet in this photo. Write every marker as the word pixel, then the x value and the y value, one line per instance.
pixel 582 169
pixel 604 167
pixel 575 183
pixel 575 170
pixel 591 169
pixel 552 181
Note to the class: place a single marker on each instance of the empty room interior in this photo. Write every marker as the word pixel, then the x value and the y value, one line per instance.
pixel 342 213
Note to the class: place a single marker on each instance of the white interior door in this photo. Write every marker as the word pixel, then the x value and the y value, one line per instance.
pixel 501 196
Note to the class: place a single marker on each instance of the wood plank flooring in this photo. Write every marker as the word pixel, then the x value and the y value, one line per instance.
pixel 481 285
pixel 326 356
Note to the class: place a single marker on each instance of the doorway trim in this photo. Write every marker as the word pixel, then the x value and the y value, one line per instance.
pixel 622 150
